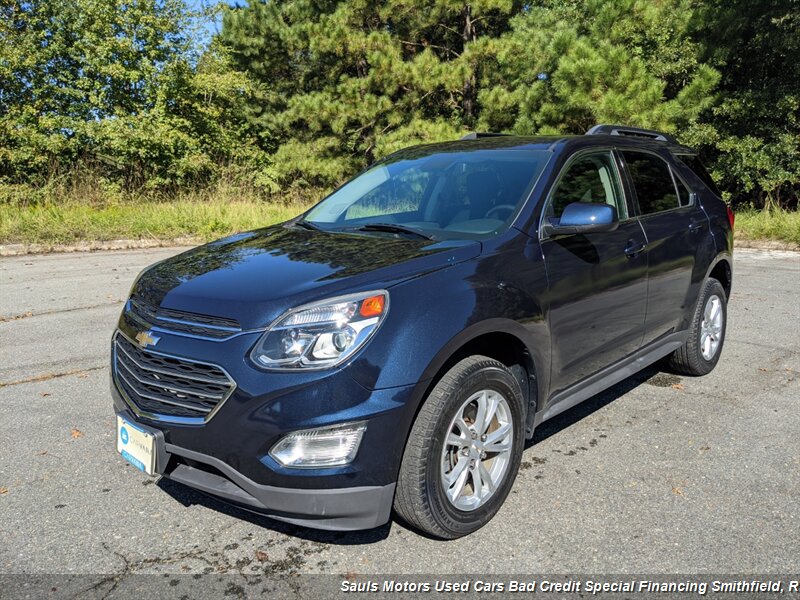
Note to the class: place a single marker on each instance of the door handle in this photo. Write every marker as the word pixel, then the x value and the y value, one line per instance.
pixel 634 249
pixel 695 226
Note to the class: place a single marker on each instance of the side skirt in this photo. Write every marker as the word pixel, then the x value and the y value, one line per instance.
pixel 611 375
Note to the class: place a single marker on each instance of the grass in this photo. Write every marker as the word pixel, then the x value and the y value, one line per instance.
pixel 70 223
pixel 81 217
pixel 778 225
pixel 83 207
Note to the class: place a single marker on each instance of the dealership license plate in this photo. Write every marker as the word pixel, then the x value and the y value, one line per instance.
pixel 136 445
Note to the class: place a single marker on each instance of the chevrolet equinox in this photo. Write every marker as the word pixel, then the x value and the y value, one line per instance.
pixel 394 346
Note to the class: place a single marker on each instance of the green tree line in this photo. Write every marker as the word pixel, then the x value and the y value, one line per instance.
pixel 291 96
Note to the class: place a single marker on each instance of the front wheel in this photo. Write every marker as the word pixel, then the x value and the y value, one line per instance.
pixel 464 450
pixel 701 351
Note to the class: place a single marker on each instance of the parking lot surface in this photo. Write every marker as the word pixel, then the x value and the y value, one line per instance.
pixel 660 474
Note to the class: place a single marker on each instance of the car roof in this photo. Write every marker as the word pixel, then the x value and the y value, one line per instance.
pixel 494 142
pixel 573 142
pixel 554 143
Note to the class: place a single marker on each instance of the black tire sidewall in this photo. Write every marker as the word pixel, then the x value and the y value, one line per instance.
pixel 712 287
pixel 448 516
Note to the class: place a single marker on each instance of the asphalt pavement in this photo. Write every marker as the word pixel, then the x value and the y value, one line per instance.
pixel 660 474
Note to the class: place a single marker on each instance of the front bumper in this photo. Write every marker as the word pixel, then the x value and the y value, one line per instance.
pixel 228 456
pixel 342 509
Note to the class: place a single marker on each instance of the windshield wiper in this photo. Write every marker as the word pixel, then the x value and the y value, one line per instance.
pixel 394 228
pixel 308 225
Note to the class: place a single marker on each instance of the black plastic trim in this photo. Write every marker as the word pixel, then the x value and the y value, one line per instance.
pixel 624 130
pixel 337 509
pixel 611 375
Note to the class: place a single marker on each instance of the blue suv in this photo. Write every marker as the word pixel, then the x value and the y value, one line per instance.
pixel 394 346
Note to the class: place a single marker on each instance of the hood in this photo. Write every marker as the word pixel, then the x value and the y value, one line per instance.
pixel 253 277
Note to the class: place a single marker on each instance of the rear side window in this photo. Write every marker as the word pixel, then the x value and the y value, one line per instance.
pixel 652 181
pixel 683 194
pixel 694 163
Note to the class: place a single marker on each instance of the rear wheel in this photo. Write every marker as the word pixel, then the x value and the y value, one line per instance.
pixel 701 351
pixel 464 450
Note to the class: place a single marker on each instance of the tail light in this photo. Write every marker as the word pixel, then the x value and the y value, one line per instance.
pixel 731 216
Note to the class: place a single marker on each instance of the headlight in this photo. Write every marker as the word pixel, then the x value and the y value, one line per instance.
pixel 323 334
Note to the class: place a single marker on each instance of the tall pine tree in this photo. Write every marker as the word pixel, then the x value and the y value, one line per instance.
pixel 568 65
pixel 342 83
pixel 753 132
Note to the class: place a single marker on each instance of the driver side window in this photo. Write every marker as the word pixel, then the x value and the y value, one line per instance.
pixel 591 178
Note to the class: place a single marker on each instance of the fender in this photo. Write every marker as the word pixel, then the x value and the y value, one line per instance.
pixel 706 253
pixel 495 325
pixel 725 257
pixel 537 366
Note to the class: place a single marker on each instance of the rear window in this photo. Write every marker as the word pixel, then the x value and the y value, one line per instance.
pixel 652 182
pixel 694 163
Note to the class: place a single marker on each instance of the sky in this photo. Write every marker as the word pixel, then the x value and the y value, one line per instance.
pixel 210 26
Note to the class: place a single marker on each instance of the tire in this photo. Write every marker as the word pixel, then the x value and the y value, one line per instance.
pixel 694 357
pixel 424 499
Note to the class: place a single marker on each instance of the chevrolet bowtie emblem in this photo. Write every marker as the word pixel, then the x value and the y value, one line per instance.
pixel 144 339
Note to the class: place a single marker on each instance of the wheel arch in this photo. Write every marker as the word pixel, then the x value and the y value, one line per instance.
pixel 501 339
pixel 721 269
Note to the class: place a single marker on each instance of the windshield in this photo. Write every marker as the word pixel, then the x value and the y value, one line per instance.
pixel 459 194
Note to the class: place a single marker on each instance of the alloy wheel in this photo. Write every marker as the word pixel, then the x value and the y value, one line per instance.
pixel 711 327
pixel 477 450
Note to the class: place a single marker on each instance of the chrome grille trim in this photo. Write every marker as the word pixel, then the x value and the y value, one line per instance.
pixel 194 324
pixel 164 372
pixel 168 388
pixel 162 400
pixel 172 388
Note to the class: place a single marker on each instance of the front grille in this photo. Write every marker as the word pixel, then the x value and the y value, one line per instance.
pixel 147 316
pixel 168 385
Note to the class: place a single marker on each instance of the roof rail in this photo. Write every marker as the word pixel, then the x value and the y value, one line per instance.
pixel 476 135
pixel 631 131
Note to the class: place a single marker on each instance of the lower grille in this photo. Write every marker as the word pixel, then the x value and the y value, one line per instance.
pixel 168 385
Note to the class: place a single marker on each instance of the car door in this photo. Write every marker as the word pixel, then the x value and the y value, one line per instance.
pixel 597 282
pixel 674 224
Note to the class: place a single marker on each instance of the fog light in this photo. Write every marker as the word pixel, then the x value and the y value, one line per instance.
pixel 316 448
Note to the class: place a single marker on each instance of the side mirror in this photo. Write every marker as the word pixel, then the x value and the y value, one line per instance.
pixel 585 217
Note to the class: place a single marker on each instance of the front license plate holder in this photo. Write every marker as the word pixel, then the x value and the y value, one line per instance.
pixel 136 445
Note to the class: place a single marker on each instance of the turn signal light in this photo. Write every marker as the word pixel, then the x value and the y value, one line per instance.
pixel 372 306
